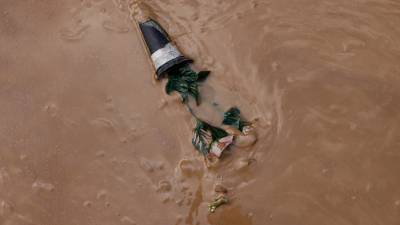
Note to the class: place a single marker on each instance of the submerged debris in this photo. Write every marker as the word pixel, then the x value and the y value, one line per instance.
pixel 164 54
pixel 185 81
pixel 167 59
pixel 246 137
pixel 207 137
pixel 209 140
pixel 218 201
pixel 232 118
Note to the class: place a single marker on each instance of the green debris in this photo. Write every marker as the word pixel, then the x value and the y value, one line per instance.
pixel 204 135
pixel 220 200
pixel 232 118
pixel 186 81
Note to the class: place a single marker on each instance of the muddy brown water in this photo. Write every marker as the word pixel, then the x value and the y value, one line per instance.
pixel 87 137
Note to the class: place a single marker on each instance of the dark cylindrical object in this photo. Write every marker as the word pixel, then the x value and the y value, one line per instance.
pixel 163 53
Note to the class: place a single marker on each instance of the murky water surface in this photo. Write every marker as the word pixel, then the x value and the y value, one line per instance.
pixel 87 137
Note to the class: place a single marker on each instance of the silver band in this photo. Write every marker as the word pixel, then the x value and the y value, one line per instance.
pixel 164 55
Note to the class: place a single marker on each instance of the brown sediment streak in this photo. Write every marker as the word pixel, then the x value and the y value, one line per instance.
pixel 83 139
pixel 139 13
pixel 194 207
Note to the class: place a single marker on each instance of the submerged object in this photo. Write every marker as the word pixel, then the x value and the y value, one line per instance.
pixel 218 201
pixel 167 59
pixel 164 54
pixel 209 140
pixel 185 81
pixel 246 137
pixel 232 118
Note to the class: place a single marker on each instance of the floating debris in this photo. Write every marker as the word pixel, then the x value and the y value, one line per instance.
pixel 167 59
pixel 206 137
pixel 185 81
pixel 164 54
pixel 218 201
pixel 232 118
pixel 246 137
pixel 211 141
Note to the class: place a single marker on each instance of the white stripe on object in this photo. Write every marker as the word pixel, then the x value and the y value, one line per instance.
pixel 164 55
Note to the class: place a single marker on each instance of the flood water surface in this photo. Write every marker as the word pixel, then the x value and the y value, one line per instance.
pixel 88 137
